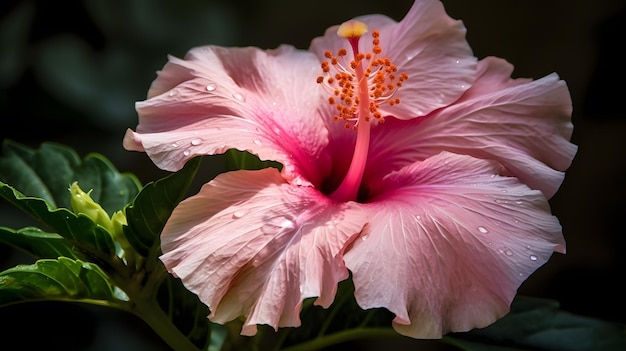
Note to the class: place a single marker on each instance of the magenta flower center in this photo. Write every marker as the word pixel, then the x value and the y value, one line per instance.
pixel 358 88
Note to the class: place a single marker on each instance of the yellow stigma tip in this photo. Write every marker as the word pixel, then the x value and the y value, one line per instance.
pixel 352 29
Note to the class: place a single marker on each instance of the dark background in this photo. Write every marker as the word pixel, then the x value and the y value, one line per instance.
pixel 71 71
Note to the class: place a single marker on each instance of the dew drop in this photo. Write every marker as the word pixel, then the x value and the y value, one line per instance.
pixel 239 97
pixel 365 236
pixel 238 214
pixel 418 217
pixel 277 225
pixel 482 229
pixel 519 202
pixel 174 144
pixel 257 142
pixel 533 258
pixel 196 142
pixel 186 153
pixel 457 61
pixel 172 93
pixel 210 87
pixel 506 251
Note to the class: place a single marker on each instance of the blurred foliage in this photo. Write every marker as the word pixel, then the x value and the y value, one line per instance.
pixel 97 57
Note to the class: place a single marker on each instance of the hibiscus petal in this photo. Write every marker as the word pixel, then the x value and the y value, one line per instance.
pixel 217 98
pixel 426 44
pixel 525 125
pixel 449 243
pixel 251 244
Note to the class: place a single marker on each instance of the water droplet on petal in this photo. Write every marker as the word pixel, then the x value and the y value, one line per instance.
pixel 238 214
pixel 482 229
pixel 277 225
pixel 239 97
pixel 211 87
pixel 196 142
pixel 418 217
pixel 174 144
pixel 506 251
pixel 257 142
pixel 365 236
pixel 533 258
pixel 172 93
pixel 519 202
pixel 187 153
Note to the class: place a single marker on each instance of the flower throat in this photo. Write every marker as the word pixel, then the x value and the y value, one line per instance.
pixel 358 89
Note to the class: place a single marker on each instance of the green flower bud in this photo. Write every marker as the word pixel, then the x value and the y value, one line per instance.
pixel 83 204
pixel 118 220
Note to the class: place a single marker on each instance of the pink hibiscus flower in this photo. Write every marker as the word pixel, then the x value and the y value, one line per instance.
pixel 439 213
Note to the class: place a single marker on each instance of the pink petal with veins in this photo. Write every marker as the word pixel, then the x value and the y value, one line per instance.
pixel 265 102
pixel 426 44
pixel 251 244
pixel 523 124
pixel 449 242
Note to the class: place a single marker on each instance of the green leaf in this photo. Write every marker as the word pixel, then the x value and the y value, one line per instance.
pixel 63 279
pixel 539 324
pixel 153 206
pixel 79 230
pixel 47 173
pixel 236 160
pixel 38 243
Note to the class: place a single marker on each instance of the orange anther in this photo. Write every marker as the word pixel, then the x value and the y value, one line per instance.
pixel 369 78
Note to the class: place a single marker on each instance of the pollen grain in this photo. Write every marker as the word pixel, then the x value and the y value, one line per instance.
pixel 380 77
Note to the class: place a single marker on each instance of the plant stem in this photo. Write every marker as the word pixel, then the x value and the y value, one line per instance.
pixel 343 336
pixel 154 316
